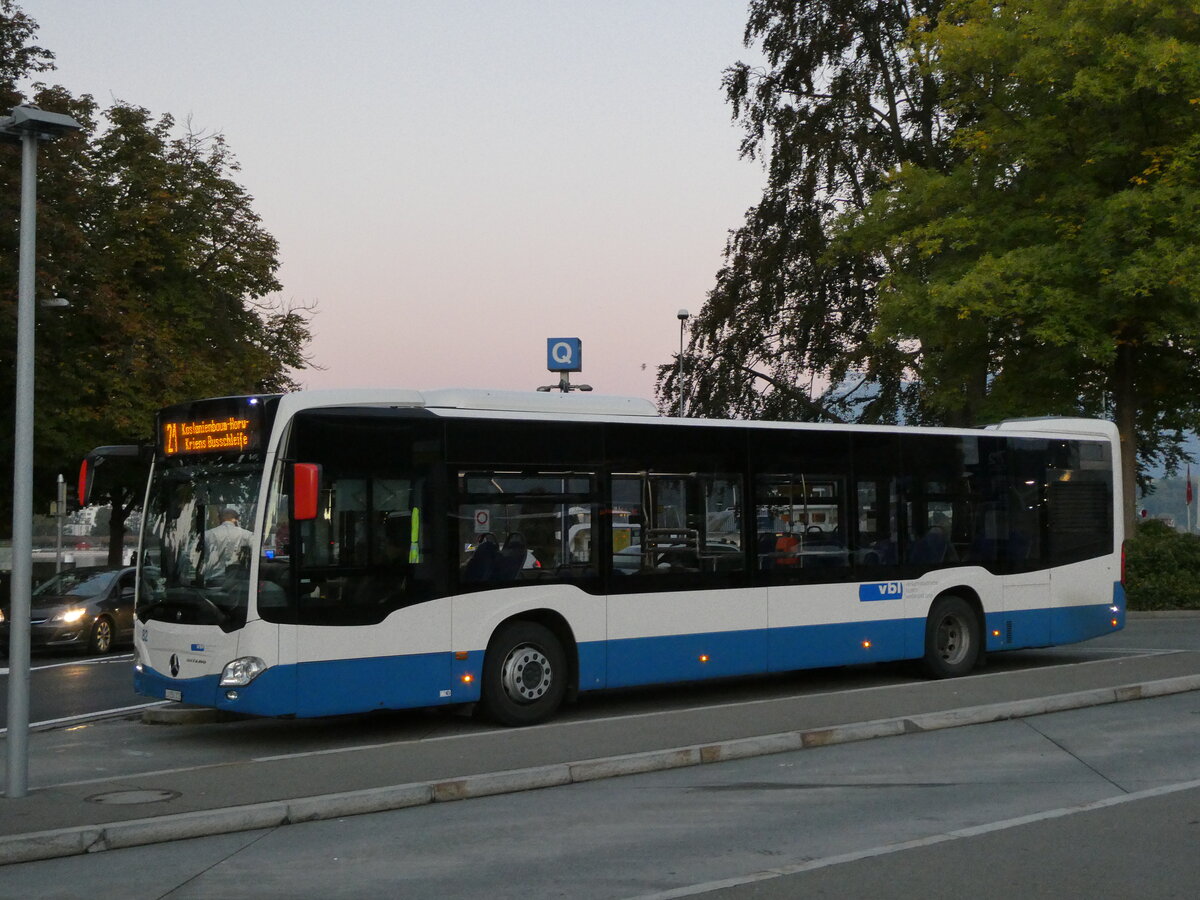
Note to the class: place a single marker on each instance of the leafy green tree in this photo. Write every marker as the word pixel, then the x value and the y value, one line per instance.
pixel 789 330
pixel 1065 238
pixel 167 267
pixel 19 57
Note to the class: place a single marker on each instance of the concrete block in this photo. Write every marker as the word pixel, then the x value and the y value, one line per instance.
pixel 501 783
pixel 138 832
pixel 48 844
pixel 743 748
pixel 635 764
pixel 355 803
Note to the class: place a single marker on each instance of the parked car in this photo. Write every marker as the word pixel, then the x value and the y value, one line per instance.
pixel 90 607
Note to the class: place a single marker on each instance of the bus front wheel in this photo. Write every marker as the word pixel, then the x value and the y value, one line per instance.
pixel 524 674
pixel 953 638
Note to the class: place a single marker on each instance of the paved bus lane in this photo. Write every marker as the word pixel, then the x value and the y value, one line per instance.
pixel 1096 802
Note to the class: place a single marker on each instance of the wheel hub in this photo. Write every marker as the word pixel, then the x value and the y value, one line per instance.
pixel 526 674
pixel 952 640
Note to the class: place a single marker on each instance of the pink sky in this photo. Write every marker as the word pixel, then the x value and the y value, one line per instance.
pixel 452 183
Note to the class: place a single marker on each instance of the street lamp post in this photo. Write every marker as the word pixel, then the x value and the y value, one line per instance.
pixel 27 125
pixel 683 315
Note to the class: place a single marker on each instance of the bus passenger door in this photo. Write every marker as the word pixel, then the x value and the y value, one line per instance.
pixel 678 605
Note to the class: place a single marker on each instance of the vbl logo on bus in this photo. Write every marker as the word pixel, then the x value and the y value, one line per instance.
pixel 883 590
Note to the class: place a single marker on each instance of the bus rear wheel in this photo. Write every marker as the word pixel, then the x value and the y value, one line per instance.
pixel 524 674
pixel 953 638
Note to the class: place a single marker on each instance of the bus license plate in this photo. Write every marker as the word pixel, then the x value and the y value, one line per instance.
pixel 174 695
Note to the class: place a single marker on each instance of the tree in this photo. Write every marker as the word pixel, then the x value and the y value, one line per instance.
pixel 18 57
pixel 789 330
pixel 167 267
pixel 1065 234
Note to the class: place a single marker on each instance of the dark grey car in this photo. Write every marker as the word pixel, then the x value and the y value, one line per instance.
pixel 90 607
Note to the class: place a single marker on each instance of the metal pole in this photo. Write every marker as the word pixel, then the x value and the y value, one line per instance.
pixel 17 740
pixel 683 316
pixel 60 513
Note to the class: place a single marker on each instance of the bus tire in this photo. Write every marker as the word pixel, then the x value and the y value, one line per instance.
pixel 953 638
pixel 524 674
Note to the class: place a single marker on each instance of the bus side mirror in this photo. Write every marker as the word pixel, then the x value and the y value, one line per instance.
pixel 306 490
pixel 128 454
pixel 85 482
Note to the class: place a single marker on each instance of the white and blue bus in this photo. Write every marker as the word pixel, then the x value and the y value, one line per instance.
pixel 333 552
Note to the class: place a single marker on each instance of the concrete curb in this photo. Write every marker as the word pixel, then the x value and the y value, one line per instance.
pixel 157 829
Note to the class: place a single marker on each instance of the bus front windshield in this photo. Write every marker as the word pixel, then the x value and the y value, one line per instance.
pixel 198 534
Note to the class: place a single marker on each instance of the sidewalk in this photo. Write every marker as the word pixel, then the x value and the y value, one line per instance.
pixel 121 783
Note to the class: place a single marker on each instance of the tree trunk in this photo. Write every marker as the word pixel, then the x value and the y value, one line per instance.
pixel 116 531
pixel 1124 390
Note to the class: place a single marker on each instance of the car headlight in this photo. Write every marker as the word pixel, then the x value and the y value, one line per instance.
pixel 70 616
pixel 242 671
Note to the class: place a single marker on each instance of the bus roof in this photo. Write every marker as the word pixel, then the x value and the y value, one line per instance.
pixel 463 401
pixel 478 399
pixel 1061 424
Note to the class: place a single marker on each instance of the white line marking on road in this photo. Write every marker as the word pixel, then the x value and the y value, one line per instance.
pixel 87 717
pixel 99 661
pixel 958 834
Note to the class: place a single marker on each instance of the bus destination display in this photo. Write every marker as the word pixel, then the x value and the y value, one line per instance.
pixel 230 434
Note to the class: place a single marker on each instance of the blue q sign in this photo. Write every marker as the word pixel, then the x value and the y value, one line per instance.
pixel 564 354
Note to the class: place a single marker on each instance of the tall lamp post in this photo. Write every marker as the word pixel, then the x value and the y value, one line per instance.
pixel 27 125
pixel 683 315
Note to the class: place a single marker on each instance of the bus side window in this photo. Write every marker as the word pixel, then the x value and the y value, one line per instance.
pixel 800 521
pixel 877 537
pixel 397 534
pixel 933 545
pixel 668 524
pixel 524 526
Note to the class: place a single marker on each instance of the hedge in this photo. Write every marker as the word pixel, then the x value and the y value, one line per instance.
pixel 1162 568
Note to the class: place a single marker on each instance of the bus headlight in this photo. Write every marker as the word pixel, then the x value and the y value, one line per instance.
pixel 241 672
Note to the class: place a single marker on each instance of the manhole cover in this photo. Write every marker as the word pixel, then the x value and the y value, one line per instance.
pixel 129 798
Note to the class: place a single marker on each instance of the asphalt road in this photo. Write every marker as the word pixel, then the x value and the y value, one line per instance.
pixel 1098 802
pixel 65 686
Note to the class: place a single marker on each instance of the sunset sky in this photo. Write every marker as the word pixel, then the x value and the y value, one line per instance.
pixel 452 183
